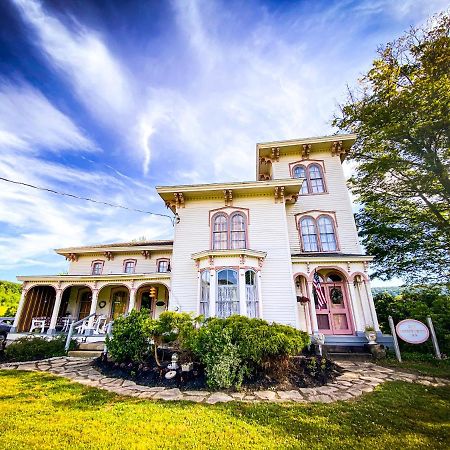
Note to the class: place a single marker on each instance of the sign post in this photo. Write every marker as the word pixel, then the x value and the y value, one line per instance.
pixel 433 338
pixel 394 337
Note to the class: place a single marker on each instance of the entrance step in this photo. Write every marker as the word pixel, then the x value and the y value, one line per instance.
pixel 349 356
pixel 85 353
pixel 97 346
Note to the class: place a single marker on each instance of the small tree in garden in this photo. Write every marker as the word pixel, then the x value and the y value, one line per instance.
pixel 169 328
pixel 129 341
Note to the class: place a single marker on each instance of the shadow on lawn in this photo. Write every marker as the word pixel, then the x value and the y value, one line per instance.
pixel 394 409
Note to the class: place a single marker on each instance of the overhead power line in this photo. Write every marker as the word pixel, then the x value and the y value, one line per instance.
pixel 113 205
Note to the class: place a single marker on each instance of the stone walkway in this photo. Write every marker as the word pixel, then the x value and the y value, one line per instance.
pixel 357 378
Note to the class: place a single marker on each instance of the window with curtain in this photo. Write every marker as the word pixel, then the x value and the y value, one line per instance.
pixel 300 172
pixel 220 232
pixel 315 179
pixel 205 284
pixel 97 268
pixel 251 294
pixel 309 235
pixel 327 235
pixel 227 302
pixel 238 231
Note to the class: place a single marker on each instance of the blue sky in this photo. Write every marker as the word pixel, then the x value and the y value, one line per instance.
pixel 107 99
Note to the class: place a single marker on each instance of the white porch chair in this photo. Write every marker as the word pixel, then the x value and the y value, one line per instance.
pixel 38 323
pixel 100 325
pixel 83 327
pixel 66 322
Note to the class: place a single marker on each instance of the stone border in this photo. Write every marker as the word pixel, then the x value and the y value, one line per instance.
pixel 357 378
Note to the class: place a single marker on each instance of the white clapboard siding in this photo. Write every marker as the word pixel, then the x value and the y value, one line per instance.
pixel 84 263
pixel 336 200
pixel 267 232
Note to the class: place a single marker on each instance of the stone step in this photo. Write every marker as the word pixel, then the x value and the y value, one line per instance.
pixel 351 356
pixel 98 346
pixel 85 353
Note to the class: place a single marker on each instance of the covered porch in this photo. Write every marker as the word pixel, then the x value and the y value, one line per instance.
pixel 52 305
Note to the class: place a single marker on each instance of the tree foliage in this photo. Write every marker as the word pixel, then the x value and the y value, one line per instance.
pixel 418 303
pixel 9 297
pixel 400 112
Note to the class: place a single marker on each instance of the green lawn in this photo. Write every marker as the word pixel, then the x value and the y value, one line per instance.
pixel 40 411
pixel 433 368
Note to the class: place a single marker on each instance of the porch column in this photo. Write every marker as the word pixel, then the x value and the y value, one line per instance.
pixel 212 293
pixel 199 291
pixel 358 311
pixel 312 309
pixel 54 318
pixel 19 312
pixel 373 311
pixel 132 303
pixel 242 293
pixel 92 310
pixel 259 294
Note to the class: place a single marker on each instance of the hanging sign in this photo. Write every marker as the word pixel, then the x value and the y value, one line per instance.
pixel 412 331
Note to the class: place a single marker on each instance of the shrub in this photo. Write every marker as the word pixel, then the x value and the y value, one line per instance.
pixel 35 348
pixel 129 341
pixel 417 303
pixel 241 347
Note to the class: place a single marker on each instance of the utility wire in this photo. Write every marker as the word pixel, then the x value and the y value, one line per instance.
pixel 88 199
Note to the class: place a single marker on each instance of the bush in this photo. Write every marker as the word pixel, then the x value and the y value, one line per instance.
pixel 35 348
pixel 238 347
pixel 129 341
pixel 417 303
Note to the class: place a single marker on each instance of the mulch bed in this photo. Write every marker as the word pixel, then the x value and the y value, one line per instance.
pixel 300 372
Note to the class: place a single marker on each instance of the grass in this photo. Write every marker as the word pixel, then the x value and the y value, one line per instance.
pixel 431 367
pixel 40 411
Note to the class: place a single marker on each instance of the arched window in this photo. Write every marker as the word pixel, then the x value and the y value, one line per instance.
pixel 204 293
pixel 238 231
pixel 327 236
pixel 251 294
pixel 300 172
pixel 220 232
pixel 227 302
pixel 315 179
pixel 309 236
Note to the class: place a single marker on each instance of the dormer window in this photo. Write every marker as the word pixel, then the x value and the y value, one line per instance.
pixel 313 178
pixel 129 266
pixel 163 265
pixel 97 267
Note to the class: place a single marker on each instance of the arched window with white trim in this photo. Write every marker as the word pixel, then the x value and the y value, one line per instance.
pixel 300 172
pixel 251 294
pixel 220 232
pixel 315 179
pixel 327 234
pixel 309 235
pixel 205 283
pixel 227 302
pixel 238 228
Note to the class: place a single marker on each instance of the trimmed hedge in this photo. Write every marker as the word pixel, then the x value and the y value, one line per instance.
pixel 35 348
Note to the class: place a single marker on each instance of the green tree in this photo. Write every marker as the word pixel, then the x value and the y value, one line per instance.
pixel 9 297
pixel 400 111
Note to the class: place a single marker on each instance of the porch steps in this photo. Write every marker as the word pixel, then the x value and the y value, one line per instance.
pixel 347 352
pixel 88 350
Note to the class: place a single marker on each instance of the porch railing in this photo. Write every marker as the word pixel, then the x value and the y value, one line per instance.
pixel 72 327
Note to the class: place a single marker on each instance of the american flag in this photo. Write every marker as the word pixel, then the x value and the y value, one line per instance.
pixel 319 291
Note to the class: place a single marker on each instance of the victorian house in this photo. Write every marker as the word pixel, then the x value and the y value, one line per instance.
pixel 250 248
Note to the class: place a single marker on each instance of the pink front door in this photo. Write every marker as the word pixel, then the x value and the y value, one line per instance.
pixel 334 317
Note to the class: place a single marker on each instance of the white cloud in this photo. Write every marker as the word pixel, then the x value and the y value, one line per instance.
pixel 28 121
pixel 84 60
